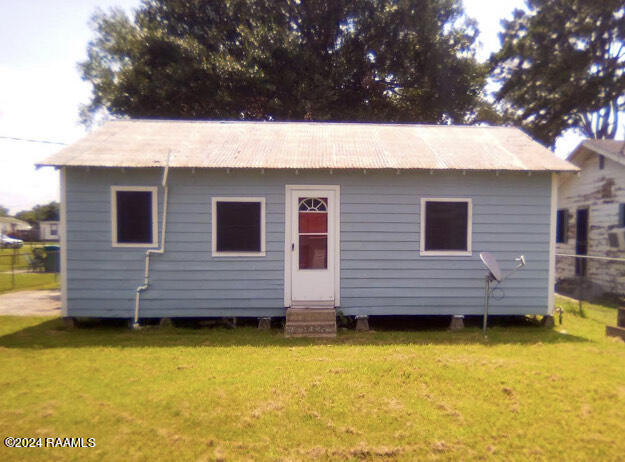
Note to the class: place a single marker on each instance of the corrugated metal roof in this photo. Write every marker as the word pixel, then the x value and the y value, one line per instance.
pixel 307 145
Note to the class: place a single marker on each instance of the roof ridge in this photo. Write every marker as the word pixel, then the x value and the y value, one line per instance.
pixel 307 122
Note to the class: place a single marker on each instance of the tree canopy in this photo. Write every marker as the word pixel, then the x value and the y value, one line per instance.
pixel 358 60
pixel 562 65
pixel 39 213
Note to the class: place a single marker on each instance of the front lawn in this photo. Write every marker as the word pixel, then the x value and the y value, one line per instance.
pixel 527 393
pixel 27 281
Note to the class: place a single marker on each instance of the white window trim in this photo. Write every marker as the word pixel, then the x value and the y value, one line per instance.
pixel 154 191
pixel 447 253
pixel 215 252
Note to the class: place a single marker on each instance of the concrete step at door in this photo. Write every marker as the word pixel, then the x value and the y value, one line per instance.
pixel 310 315
pixel 310 322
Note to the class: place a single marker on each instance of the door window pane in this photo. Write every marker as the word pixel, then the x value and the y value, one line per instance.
pixel 313 252
pixel 313 222
pixel 309 204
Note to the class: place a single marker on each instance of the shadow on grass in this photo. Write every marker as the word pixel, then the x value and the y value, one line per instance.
pixel 52 333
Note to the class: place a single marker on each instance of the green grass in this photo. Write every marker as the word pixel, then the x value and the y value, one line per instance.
pixel 28 281
pixel 526 393
pixel 19 261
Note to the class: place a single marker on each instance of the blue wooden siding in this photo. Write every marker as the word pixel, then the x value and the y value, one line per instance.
pixel 381 269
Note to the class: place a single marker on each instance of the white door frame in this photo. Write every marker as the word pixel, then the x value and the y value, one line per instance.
pixel 288 238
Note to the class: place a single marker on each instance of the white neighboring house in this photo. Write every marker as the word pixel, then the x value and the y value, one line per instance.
pixel 11 225
pixel 49 230
pixel 591 216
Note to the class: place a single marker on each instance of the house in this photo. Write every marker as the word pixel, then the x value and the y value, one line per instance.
pixel 13 226
pixel 591 217
pixel 250 218
pixel 49 230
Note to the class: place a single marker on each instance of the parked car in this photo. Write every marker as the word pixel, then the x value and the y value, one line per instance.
pixel 7 242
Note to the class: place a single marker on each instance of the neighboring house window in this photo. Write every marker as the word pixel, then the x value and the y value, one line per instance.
pixel 601 162
pixel 562 226
pixel 54 230
pixel 134 216
pixel 621 215
pixel 238 226
pixel 446 226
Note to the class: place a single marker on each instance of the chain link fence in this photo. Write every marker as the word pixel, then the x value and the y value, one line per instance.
pixel 589 278
pixel 32 266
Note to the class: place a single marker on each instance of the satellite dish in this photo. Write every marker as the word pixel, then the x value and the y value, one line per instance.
pixel 494 274
pixel 491 263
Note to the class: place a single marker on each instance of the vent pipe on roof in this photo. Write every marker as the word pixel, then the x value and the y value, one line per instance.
pixel 160 250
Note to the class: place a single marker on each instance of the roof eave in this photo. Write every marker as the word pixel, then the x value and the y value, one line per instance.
pixel 572 168
pixel 603 152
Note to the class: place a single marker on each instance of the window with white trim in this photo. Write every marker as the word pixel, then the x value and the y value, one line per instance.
pixel 54 230
pixel 238 226
pixel 134 216
pixel 446 226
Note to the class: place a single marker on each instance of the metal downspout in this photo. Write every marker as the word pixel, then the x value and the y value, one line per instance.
pixel 160 250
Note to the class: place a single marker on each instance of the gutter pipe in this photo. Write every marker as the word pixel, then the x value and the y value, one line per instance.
pixel 160 250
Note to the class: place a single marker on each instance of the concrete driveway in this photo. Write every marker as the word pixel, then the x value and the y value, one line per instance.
pixel 31 303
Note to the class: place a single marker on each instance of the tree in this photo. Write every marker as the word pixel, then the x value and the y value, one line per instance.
pixel 4 212
pixel 360 60
pixel 40 213
pixel 562 65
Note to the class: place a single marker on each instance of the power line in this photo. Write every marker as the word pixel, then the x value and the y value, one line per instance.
pixel 29 140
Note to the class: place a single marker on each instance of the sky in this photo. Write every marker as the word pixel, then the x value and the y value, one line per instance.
pixel 41 42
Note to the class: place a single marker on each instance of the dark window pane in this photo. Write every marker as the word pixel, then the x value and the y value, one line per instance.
pixel 134 217
pixel 582 232
pixel 562 226
pixel 446 225
pixel 313 252
pixel 621 215
pixel 238 226
pixel 313 222
pixel 581 244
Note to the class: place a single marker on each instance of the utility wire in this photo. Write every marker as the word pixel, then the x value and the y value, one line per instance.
pixel 31 140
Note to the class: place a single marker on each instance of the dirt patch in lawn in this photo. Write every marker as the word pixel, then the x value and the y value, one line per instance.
pixel 31 303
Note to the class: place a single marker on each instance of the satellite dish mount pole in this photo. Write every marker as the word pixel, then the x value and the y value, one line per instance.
pixel 486 297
